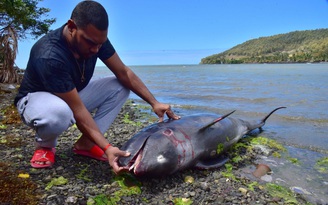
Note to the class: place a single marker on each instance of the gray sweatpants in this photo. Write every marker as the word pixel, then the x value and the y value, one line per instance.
pixel 50 116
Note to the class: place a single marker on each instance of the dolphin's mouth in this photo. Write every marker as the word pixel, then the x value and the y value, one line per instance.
pixel 135 161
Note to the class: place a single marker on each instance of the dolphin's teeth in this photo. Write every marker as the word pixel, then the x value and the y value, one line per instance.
pixel 133 165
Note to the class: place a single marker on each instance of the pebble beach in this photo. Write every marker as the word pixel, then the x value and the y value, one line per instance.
pixel 75 179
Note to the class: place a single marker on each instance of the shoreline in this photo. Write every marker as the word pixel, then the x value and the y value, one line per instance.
pixel 21 70
pixel 88 181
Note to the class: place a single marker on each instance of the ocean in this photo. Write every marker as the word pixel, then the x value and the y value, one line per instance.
pixel 253 90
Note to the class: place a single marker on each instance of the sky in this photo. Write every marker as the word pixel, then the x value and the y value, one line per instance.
pixel 167 32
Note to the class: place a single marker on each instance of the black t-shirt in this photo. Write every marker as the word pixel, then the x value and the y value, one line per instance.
pixel 53 68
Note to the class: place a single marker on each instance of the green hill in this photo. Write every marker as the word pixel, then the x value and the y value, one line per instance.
pixel 293 47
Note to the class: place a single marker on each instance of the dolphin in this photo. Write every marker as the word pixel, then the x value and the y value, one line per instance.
pixel 193 141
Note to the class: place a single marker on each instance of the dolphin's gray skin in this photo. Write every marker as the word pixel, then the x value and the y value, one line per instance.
pixel 167 147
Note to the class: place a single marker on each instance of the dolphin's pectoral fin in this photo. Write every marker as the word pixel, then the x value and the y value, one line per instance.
pixel 212 163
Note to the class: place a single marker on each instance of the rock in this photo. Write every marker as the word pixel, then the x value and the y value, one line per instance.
pixel 8 88
pixel 71 199
pixel 243 190
pixel 204 186
pixel 263 149
pixel 192 193
pixel 299 190
pixel 51 196
pixel 266 178
pixel 189 179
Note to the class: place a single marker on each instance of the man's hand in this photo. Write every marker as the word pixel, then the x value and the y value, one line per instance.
pixel 113 153
pixel 161 109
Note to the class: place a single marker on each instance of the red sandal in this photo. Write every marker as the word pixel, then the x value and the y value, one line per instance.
pixel 43 155
pixel 95 152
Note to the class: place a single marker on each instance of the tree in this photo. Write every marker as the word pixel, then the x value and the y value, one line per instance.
pixel 19 19
pixel 8 50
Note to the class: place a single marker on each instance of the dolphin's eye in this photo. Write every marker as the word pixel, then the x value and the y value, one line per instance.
pixel 161 159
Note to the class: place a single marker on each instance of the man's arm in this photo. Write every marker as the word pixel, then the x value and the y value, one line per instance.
pixel 89 128
pixel 83 118
pixel 131 81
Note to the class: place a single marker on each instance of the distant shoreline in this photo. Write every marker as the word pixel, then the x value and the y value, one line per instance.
pixel 264 63
pixel 21 70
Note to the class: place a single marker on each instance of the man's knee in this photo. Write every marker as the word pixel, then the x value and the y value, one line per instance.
pixel 60 117
pixel 49 112
pixel 53 124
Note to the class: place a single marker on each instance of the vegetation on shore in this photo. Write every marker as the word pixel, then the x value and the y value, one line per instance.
pixel 294 47
pixel 19 20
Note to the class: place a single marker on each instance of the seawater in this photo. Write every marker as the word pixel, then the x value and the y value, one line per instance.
pixel 253 90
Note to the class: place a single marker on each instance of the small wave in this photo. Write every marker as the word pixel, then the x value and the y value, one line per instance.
pixel 304 119
pixel 262 100
pixel 252 114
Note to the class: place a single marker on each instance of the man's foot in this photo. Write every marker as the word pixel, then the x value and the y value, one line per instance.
pixel 95 152
pixel 85 147
pixel 43 157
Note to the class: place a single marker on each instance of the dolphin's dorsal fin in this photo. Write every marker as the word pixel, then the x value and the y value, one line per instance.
pixel 216 120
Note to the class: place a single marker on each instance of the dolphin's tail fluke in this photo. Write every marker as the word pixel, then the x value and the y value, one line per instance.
pixel 260 123
pixel 268 115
